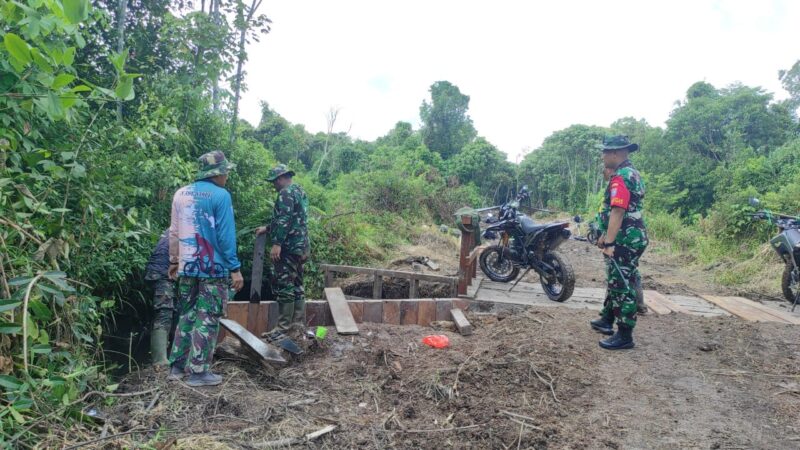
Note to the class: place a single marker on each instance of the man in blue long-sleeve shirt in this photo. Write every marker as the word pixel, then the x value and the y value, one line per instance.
pixel 202 252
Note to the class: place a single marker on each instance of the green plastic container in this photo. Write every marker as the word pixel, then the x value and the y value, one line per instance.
pixel 321 332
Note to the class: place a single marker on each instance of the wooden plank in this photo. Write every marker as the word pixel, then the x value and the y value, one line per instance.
pixel 413 276
pixel 258 267
pixel 373 311
pixel 750 310
pixel 329 278
pixel 342 317
pixel 409 312
pixel 347 269
pixel 391 312
pixel 461 303
pixel 357 309
pixel 413 288
pixel 443 307
pixel 377 287
pixel 743 308
pixel 266 351
pixel 272 315
pixel 463 325
pixel 665 301
pixel 660 302
pixel 426 312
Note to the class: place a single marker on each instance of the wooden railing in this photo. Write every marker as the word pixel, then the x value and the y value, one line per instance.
pixel 468 259
pixel 379 274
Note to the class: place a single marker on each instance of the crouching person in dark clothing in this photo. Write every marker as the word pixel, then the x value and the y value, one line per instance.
pixel 164 312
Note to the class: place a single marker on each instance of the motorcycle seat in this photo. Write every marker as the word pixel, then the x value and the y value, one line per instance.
pixel 529 226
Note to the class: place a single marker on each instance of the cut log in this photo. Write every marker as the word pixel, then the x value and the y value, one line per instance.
pixel 267 352
pixel 463 325
pixel 342 316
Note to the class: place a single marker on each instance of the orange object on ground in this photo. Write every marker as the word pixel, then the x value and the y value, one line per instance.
pixel 436 341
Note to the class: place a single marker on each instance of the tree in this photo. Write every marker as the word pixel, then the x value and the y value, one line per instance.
pixel 246 22
pixel 446 126
pixel 482 164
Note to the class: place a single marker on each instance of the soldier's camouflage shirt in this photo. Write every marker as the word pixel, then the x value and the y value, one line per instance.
pixel 288 227
pixel 626 190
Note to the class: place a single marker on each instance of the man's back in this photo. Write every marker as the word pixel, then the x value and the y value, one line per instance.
pixel 289 220
pixel 202 220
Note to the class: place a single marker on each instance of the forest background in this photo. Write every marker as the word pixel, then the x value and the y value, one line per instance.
pixel 105 106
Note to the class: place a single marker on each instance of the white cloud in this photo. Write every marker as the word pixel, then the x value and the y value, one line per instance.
pixel 530 68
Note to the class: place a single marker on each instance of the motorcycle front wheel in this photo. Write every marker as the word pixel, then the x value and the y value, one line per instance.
pixel 559 284
pixel 497 265
pixel 789 287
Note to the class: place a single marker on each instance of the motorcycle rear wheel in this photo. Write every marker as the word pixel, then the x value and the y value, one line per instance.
pixel 559 286
pixel 789 288
pixel 496 268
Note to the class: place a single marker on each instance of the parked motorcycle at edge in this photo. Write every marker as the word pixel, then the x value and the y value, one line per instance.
pixel 527 245
pixel 787 245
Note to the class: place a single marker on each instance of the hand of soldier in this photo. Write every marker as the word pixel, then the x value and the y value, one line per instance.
pixel 601 241
pixel 275 253
pixel 237 281
pixel 608 251
pixel 261 230
pixel 173 272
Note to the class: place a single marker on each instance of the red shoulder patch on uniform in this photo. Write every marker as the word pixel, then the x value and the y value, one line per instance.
pixel 620 195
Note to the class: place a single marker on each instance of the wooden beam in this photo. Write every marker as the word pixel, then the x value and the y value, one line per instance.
pixel 463 325
pixel 652 302
pixel 413 288
pixel 426 312
pixel 347 269
pixel 750 310
pixel 391 312
pixel 266 351
pixel 409 311
pixel 377 287
pixel 255 282
pixel 342 317
pixel 443 307
pixel 413 276
pixel 357 309
pixel 373 311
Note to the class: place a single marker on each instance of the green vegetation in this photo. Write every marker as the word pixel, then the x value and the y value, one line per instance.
pixel 104 109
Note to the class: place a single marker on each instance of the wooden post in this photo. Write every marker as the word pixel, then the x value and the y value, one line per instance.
pixel 328 278
pixel 255 282
pixel 465 269
pixel 377 287
pixel 413 288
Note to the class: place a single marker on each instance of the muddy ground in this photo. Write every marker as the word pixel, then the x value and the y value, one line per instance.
pixel 530 378
pixel 535 379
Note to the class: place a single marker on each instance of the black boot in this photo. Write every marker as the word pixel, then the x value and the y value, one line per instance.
pixel 604 324
pixel 621 340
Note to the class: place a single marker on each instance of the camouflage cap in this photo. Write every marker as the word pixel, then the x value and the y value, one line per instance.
pixel 213 164
pixel 618 142
pixel 277 171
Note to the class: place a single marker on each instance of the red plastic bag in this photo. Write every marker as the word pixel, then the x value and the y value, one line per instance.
pixel 436 341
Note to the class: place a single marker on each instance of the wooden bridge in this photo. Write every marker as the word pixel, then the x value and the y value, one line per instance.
pixel 468 287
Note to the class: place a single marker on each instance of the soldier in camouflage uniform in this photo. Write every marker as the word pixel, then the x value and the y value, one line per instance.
pixel 202 252
pixel 641 308
pixel 290 249
pixel 623 242
pixel 164 312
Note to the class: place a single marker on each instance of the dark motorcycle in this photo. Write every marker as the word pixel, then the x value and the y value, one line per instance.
pixel 787 245
pixel 527 245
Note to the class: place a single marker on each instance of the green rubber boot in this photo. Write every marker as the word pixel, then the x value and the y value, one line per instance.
pixel 285 316
pixel 158 346
pixel 300 313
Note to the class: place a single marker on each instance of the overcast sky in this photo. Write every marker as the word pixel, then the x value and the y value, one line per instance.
pixel 530 68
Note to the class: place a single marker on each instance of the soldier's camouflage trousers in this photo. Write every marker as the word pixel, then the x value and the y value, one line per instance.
pixel 201 302
pixel 621 301
pixel 164 309
pixel 289 292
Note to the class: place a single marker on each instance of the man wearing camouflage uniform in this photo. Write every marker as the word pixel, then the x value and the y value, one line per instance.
pixel 164 313
pixel 290 249
pixel 202 252
pixel 623 242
